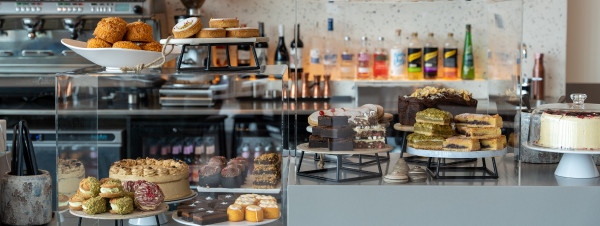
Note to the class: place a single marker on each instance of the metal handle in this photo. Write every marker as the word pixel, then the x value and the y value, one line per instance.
pixel 37 53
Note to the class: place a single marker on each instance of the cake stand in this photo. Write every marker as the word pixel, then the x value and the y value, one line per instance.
pixel 119 218
pixel 360 157
pixel 162 218
pixel 303 148
pixel 574 163
pixel 405 130
pixel 225 223
pixel 439 155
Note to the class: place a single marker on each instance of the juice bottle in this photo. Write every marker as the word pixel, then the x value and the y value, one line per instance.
pixel 380 64
pixel 415 53
pixel 450 57
pixel 363 61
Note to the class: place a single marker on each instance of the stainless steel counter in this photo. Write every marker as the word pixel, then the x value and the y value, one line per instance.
pixel 529 196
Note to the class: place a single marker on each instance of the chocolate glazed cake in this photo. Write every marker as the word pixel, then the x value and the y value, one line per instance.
pixel 451 100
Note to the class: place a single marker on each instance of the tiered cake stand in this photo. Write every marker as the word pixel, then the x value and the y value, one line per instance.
pixel 439 155
pixel 339 168
pixel 574 163
pixel 209 43
pixel 119 218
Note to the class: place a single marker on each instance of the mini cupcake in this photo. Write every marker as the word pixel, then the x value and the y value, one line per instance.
pixel 94 205
pixel 121 205
pixel 231 177
pixel 218 161
pixel 111 189
pixel 75 202
pixel 209 176
pixel 235 212
pixel 254 213
pixel 89 187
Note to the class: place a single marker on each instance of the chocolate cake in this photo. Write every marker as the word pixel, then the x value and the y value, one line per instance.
pixel 451 100
pixel 209 217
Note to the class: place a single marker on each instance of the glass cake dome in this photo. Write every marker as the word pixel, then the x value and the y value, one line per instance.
pixel 566 126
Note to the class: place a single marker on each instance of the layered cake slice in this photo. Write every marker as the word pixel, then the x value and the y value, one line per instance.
pixel 369 131
pixel 478 120
pixel 317 142
pixel 267 171
pixel 482 132
pixel 333 132
pixel 421 141
pixel 493 144
pixel 461 144
pixel 433 129
pixel 341 144
pixel 434 116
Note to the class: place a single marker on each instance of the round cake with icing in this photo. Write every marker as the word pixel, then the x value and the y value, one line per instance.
pixel 171 176
pixel 570 130
pixel 187 28
pixel 70 173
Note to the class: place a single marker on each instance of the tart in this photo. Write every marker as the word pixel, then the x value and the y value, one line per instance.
pixel 187 28
pixel 212 33
pixel 223 22
pixel 461 144
pixel 242 32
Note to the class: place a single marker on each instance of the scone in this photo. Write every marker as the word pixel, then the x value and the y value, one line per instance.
pixel 126 45
pixel 242 32
pixel 223 22
pixel 151 46
pixel 110 30
pixel 187 28
pixel 98 43
pixel 211 33
pixel 139 32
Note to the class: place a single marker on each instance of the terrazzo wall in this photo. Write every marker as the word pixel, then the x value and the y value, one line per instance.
pixel 496 26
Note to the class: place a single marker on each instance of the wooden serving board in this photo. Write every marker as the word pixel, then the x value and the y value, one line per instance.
pixel 111 216
pixel 304 147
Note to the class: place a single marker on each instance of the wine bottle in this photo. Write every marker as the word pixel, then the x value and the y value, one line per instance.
pixel 262 47
pixel 281 54
pixel 243 54
pixel 468 69
pixel 296 49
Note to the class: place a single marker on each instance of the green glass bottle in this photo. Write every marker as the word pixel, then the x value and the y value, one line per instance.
pixel 468 69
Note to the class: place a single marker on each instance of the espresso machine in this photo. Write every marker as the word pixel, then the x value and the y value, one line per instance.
pixel 30 34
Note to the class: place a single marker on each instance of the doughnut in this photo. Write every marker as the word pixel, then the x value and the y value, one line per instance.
pixel 187 28
pixel 243 32
pixel 126 45
pixel 151 46
pixel 148 196
pixel 110 30
pixel 212 33
pixel 139 32
pixel 98 43
pixel 223 22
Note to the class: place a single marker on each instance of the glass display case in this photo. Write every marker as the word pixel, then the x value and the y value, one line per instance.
pixel 224 129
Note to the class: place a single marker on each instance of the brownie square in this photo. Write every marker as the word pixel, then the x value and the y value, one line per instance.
pixel 226 197
pixel 209 217
pixel 317 142
pixel 334 121
pixel 222 206
pixel 345 144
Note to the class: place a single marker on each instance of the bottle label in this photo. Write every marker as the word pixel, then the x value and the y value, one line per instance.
pixel 363 70
pixel 431 59
pixel 243 54
pixel 450 58
pixel 363 57
pixel 330 59
pixel 468 60
pixel 397 57
pixel 347 57
pixel 414 59
pixel 262 55
pixel 380 58
pixel 293 56
pixel 315 56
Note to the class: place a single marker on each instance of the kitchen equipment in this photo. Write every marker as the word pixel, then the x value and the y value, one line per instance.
pixel 193 6
pixel 316 87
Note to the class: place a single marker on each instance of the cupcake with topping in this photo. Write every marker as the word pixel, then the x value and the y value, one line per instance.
pixel 218 161
pixel 231 177
pixel 240 165
pixel 210 176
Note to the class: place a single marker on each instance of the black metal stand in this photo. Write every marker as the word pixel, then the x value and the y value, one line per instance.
pixel 338 171
pixel 439 168
pixel 209 61
pixel 120 222
pixel 419 160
